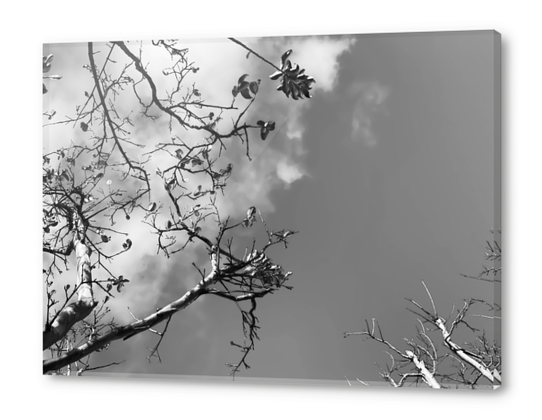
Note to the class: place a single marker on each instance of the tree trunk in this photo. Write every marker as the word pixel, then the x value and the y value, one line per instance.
pixel 76 311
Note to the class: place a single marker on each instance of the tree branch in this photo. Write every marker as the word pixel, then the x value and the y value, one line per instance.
pixel 134 328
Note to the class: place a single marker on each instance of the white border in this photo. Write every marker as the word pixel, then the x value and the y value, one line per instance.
pixel 26 26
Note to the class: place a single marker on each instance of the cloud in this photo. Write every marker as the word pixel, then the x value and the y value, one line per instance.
pixel 370 103
pixel 319 55
pixel 288 172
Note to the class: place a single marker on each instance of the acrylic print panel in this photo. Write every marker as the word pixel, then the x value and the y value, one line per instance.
pixel 316 209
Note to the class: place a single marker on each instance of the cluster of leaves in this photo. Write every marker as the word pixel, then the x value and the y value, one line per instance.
pixel 265 128
pixel 261 268
pixel 246 88
pixel 251 217
pixel 293 80
pixel 118 283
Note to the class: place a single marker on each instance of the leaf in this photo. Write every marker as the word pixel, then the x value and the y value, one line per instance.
pixel 287 66
pixel 276 75
pixel 294 71
pixel 105 238
pixel 243 86
pixel 196 208
pixel 84 126
pixel 260 123
pixel 254 87
pixel 171 183
pixel 246 94
pixel 287 233
pixel 242 79
pixel 152 207
pixel 47 63
pixel 266 128
pixel 251 217
pixel 285 56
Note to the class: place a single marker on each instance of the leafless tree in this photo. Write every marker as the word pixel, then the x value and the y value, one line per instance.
pixel 434 357
pixel 81 206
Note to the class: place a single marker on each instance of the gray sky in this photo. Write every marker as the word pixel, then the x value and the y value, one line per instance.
pixel 388 174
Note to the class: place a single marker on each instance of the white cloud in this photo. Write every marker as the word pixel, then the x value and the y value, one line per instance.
pixel 370 103
pixel 288 172
pixel 319 55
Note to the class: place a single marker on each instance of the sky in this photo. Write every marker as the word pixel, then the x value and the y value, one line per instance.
pixel 388 174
